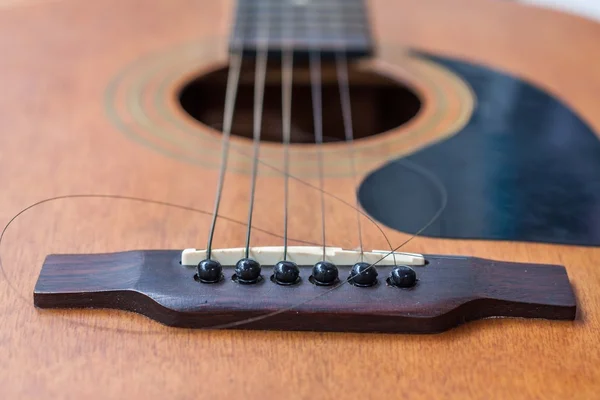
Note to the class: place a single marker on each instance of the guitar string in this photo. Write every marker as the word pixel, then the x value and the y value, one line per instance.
pixel 182 207
pixel 232 84
pixel 333 196
pixel 444 201
pixel 311 15
pixel 187 208
pixel 259 88
pixel 260 73
pixel 344 88
pixel 287 60
pixel 409 165
pixel 315 71
pixel 315 78
pixel 233 76
pixel 286 109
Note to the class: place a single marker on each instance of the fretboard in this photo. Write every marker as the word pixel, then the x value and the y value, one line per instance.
pixel 326 26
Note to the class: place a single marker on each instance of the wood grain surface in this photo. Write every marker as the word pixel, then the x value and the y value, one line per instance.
pixel 449 291
pixel 57 138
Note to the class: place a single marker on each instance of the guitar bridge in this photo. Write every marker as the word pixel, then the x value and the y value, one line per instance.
pixel 447 292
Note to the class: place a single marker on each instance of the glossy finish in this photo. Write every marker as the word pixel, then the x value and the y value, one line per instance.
pixel 209 271
pixel 247 271
pixel 451 291
pixel 324 273
pixel 363 275
pixel 286 273
pixel 525 168
pixel 60 59
pixel 402 276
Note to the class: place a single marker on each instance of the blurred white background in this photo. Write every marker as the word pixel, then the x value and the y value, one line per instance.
pixel 585 8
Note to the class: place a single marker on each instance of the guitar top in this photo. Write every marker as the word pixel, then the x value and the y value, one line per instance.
pixel 193 189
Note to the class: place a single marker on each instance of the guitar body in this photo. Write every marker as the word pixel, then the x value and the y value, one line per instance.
pixel 91 105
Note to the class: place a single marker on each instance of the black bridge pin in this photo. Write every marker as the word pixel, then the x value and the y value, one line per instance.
pixel 363 274
pixel 286 273
pixel 324 273
pixel 247 271
pixel 209 271
pixel 402 276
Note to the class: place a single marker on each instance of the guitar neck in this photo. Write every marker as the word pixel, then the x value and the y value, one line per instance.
pixel 302 26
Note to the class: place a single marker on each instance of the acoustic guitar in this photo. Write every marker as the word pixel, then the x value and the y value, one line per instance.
pixel 298 199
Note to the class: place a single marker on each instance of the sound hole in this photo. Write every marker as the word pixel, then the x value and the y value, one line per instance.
pixel 378 103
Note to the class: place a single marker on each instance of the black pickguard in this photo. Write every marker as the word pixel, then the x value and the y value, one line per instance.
pixel 525 168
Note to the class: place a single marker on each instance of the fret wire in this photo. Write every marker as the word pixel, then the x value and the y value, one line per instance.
pixel 331 25
pixel 314 5
pixel 275 16
pixel 328 18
